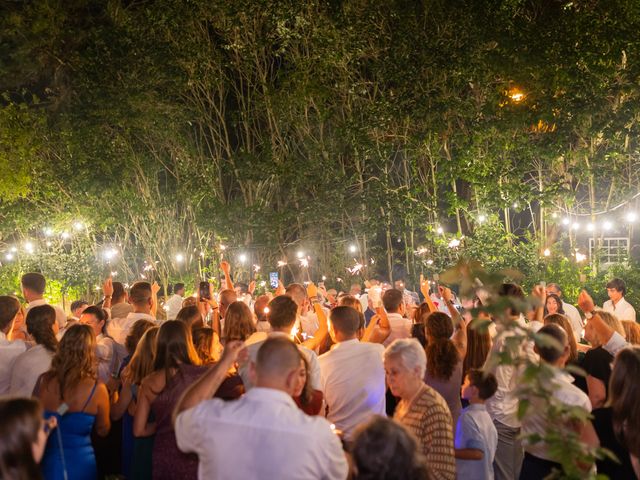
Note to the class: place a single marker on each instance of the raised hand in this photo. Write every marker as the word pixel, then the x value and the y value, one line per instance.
pixel 280 290
pixel 585 302
pixel 252 287
pixel 424 286
pixel 312 290
pixel 445 293
pixel 107 287
pixel 225 267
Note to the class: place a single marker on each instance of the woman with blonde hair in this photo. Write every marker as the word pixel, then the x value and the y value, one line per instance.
pixel 597 361
pixel 632 331
pixel 70 391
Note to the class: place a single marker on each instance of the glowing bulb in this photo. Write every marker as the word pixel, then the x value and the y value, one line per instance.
pixel 324 278
pixel 631 217
pixel 242 257
pixel 575 226
pixel 580 257
pixel 554 215
pixel 110 253
pixel 179 258
pixel 516 205
pixel 300 254
pixel 14 249
pixel 566 221
pixel 607 225
pixel 439 230
pixel 546 252
pixel 516 95
pixel 429 262
pixel 78 226
pixel 591 227
pixel 482 218
pixel 65 235
pixel 266 310
pixel 48 231
pixel 353 248
pixel 49 244
pixel 9 256
pixel 28 246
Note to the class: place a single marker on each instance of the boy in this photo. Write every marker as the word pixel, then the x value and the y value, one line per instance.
pixel 476 436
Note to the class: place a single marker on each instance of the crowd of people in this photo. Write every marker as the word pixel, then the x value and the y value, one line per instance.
pixel 305 382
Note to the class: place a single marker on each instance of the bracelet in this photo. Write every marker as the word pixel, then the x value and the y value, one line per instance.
pixel 107 297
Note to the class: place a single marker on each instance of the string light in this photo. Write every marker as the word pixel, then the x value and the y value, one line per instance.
pixel 439 230
pixel 566 221
pixel 429 262
pixel 546 252
pixel 48 231
pixel 65 235
pixel 29 248
pixel 607 225
pixel 575 226
pixel 78 226
pixel 179 258
pixel 242 257
pixel 591 227
pixel 281 263
pixel 9 256
pixel 482 218
pixel 300 254
pixel 353 248
pixel 631 217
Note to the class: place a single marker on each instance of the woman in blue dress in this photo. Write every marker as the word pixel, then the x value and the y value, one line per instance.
pixel 70 391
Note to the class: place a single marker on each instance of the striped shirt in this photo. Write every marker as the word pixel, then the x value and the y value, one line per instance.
pixel 428 418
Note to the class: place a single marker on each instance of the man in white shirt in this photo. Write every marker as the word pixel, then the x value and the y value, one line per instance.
pixel 352 374
pixel 282 318
pixel 33 287
pixel 617 304
pixel 174 304
pixel 263 434
pixel 141 298
pixel 9 351
pixel 538 461
pixel 569 310
pixel 393 301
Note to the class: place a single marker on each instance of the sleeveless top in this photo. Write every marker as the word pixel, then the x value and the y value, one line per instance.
pixel 69 446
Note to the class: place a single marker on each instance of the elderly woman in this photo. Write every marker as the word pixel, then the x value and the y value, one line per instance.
pixel 421 410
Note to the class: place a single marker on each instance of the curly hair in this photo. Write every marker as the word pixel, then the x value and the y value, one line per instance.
pixel 442 354
pixel 40 321
pixel 141 363
pixel 75 359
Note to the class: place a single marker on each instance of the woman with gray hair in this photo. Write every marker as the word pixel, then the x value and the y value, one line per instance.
pixel 421 410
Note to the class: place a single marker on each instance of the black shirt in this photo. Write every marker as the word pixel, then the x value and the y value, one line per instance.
pixel 603 425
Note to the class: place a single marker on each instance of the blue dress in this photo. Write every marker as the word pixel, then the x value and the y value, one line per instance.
pixel 76 452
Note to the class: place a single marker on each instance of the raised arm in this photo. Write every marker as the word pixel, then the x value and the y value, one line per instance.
pixel 323 326
pixel 206 386
pixel 460 335
pixel 226 269
pixel 424 289
pixel 381 328
pixel 155 288
pixel 107 290
pixel 586 304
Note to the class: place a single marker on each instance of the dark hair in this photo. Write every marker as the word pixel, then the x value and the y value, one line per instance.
pixel 478 348
pixel 40 321
pixel 238 322
pixel 306 396
pixel 177 287
pixel 9 308
pixel 563 322
pixel 282 312
pixel 486 383
pixel 77 304
pixel 624 391
pixel 392 299
pixel 514 291
pixel 34 282
pixel 442 354
pixel 345 320
pixel 136 332
pixel 100 314
pixel 20 424
pixel 191 317
pixel 243 287
pixel 558 302
pixel 202 342
pixel 140 293
pixel 174 348
pixel 118 291
pixel 384 450
pixel 619 285
pixel 551 353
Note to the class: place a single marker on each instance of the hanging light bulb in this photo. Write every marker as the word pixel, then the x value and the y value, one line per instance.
pixel 631 217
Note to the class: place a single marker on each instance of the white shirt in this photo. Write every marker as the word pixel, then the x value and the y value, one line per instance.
pixel 118 328
pixel 503 406
pixel 61 317
pixel 105 350
pixel 255 342
pixel 263 435
pixel 622 310
pixel 400 328
pixel 309 323
pixel 27 368
pixel 575 319
pixel 476 430
pixel 9 351
pixel 352 377
pixel 173 306
pixel 535 419
pixel 616 343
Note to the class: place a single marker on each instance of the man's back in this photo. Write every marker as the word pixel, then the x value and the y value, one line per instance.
pixel 262 435
pixel 352 379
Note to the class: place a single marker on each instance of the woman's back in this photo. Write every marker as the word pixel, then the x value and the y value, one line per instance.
pixel 69 447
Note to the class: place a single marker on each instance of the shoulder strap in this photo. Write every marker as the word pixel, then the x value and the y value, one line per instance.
pixel 90 396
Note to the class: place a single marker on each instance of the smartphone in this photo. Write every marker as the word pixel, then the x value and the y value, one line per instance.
pixel 375 294
pixel 273 279
pixel 205 293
